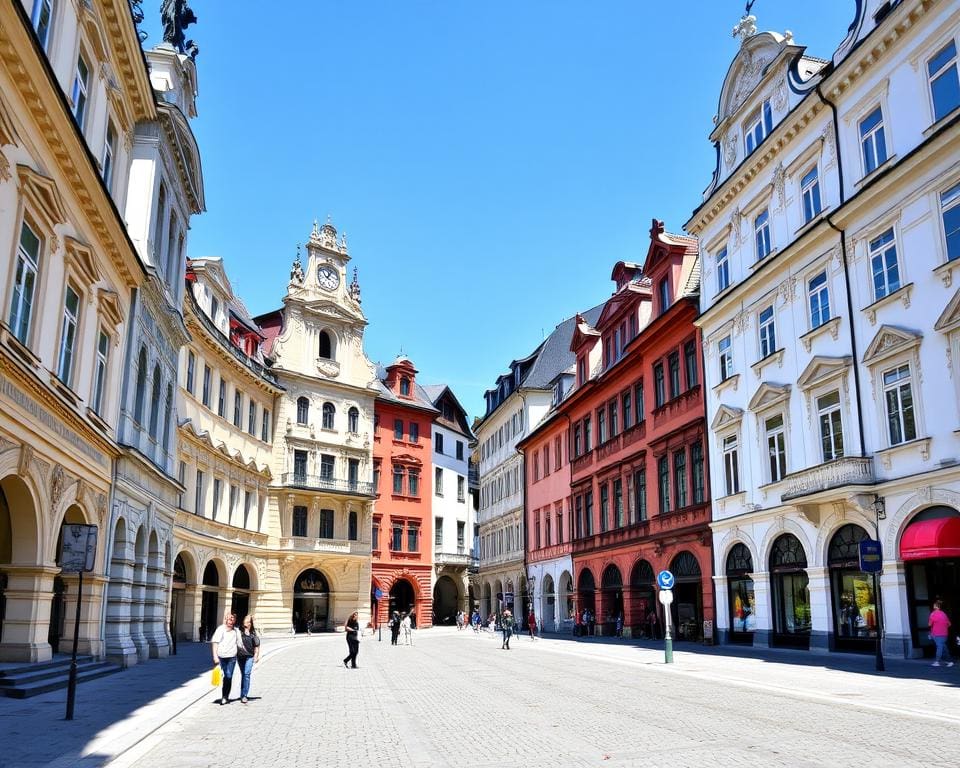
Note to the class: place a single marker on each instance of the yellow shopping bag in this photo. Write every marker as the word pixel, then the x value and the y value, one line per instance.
pixel 216 676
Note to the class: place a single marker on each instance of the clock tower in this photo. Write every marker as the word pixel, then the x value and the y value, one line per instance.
pixel 322 491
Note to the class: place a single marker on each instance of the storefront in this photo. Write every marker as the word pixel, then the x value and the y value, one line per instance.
pixel 687 596
pixel 790 593
pixel 611 598
pixel 853 593
pixel 643 600
pixel 930 548
pixel 311 602
pixel 743 621
pixel 586 592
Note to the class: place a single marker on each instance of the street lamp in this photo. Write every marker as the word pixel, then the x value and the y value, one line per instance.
pixel 880 510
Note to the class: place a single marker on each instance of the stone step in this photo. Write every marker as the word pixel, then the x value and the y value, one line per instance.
pixel 60 661
pixel 26 685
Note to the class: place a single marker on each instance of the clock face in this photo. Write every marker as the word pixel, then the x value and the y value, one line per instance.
pixel 328 277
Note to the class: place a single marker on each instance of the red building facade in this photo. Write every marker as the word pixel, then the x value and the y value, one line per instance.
pixel 639 477
pixel 402 560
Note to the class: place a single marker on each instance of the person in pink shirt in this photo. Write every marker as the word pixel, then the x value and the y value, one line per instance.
pixel 939 631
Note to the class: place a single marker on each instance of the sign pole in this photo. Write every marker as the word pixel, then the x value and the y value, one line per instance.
pixel 665 581
pixel 881 667
pixel 72 684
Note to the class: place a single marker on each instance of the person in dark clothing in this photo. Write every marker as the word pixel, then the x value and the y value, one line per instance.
pixel 506 623
pixel 352 628
pixel 394 628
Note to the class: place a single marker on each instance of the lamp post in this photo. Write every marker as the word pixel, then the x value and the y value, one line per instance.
pixel 880 511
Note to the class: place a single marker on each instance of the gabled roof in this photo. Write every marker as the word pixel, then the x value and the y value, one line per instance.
pixel 436 391
pixel 420 399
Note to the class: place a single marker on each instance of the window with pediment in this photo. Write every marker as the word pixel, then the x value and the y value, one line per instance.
pixel 944 81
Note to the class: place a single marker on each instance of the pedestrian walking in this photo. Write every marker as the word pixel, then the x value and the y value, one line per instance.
pixel 407 627
pixel 532 624
pixel 619 625
pixel 394 628
pixel 652 621
pixel 225 644
pixel 475 621
pixel 506 624
pixel 459 620
pixel 248 654
pixel 352 628
pixel 939 631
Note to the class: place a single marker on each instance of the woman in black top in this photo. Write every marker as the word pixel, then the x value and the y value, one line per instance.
pixel 248 653
pixel 353 640
pixel 394 628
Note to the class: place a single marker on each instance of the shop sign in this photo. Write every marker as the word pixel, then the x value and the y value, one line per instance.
pixel 871 558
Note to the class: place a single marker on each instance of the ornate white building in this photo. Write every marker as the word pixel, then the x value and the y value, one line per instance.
pixel 829 233
pixel 322 492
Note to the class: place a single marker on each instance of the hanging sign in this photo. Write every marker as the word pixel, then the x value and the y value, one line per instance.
pixel 78 548
pixel 871 559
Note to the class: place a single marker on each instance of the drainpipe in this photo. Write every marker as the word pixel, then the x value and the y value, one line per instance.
pixel 846 270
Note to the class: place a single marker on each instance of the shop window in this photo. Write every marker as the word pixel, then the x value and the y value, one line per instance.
pixel 853 592
pixel 791 595
pixel 741 594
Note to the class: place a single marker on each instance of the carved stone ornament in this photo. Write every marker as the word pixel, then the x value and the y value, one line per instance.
pixel 829 149
pixel 735 227
pixel 57 484
pixel 26 456
pixel 296 272
pixel 730 148
pixel 5 174
pixel 787 290
pixel 779 184
pixel 749 77
pixel 745 28
pixel 328 367
pixel 741 322
pixel 780 98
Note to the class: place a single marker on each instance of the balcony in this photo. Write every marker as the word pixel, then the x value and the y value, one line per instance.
pixel 330 546
pixel 461 558
pixel 322 483
pixel 849 470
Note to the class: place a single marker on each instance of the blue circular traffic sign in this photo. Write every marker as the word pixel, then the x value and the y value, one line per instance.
pixel 665 580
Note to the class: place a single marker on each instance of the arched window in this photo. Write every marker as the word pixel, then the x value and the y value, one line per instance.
pixel 155 402
pixel 353 420
pixel 141 386
pixel 352 530
pixel 303 410
pixel 167 410
pixel 326 346
pixel 404 386
pixel 328 413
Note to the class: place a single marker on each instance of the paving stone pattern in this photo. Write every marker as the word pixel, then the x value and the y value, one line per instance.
pixel 456 698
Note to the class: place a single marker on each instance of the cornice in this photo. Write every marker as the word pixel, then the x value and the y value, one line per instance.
pixel 128 59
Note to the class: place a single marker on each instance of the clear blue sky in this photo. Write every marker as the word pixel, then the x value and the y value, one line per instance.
pixel 489 161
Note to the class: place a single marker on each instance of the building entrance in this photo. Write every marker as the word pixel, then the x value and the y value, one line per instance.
pixel 402 598
pixel 311 602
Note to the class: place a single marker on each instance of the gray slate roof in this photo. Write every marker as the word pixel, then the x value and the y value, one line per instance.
pixel 554 355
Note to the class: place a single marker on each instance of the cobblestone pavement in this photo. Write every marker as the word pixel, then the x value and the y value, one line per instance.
pixel 456 698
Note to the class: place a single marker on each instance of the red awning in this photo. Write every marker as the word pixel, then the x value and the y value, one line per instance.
pixel 926 539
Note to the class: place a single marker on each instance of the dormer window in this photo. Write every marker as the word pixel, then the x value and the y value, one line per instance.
pixel 581 370
pixel 214 308
pixel 326 346
pixel 664 293
pixel 405 386
pixel 758 127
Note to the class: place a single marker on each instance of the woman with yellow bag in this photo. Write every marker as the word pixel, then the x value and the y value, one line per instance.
pixel 225 641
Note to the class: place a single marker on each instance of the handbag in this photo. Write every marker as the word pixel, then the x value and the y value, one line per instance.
pixel 216 676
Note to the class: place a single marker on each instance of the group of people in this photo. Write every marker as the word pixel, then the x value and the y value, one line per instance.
pixel 401 622
pixel 233 646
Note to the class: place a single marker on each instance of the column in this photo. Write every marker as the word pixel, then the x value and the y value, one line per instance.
pixel 120 647
pixel 820 614
pixel 94 587
pixel 721 629
pixel 155 610
pixel 897 636
pixel 27 618
pixel 764 609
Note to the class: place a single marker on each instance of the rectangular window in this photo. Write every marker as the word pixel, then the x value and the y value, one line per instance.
pixel 601 426
pixel 265 426
pixel 198 494
pixel 627 402
pixel 897 391
pixel 100 377
pixel 536 466
pixel 222 399
pixel 109 150
pixel 459 450
pixel 725 355
pixel 353 473
pixel 819 298
pixel 587 439
pixel 546 459
pixel 438 481
pixel 232 503
pixel 42 19
pixel 461 488
pixel 673 363
pixel 604 506
pixel 191 371
pixel 247 505
pixel 300 467
pixel 664 295
pixel 873 143
pixel 413 483
pixel 68 335
pixel 776 448
pixel 398 429
pixel 237 408
pixel 614 414
pixel 397 544
pixel 438 532
pixel 640 494
pixel 663 484
pixel 327 462
pixel 299 527
pixel 696 458
pixel 723 270
pixel 326 524
pixel 579 516
pixel 758 127
pixel 78 94
pixel 883 265
pixel 25 283
pixel 638 400
pixel 375 537
pixel 217 490
pixel 413 536
pixel 588 513
pixel 414 434
pixel 680 477
pixel 659 388
pixel 536 530
pixel 761 232
pixel 690 364
pixel 831 426
pixel 768 332
pixel 461 533
pixel 950 212
pixel 577 446
pixel 252 418
pixel 944 83
pixel 810 192
pixel 398 480
pixel 731 465
pixel 618 503
pixel 438 442
pixel 557 452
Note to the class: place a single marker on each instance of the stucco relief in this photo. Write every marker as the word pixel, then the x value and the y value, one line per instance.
pixel 5 174
pixel 730 144
pixel 735 233
pixel 779 185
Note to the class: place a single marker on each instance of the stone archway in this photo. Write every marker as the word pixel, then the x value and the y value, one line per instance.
pixel 549 606
pixel 446 601
pixel 240 599
pixel 403 597
pixel 209 601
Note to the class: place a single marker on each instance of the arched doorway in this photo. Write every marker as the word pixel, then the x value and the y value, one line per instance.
pixel 509 597
pixel 611 598
pixel 311 602
pixel 586 595
pixel 790 593
pixel 446 601
pixel 687 605
pixel 743 621
pixel 642 600
pixel 852 591
pixel 58 605
pixel 403 598
pixel 930 549
pixel 178 597
pixel 486 606
pixel 565 598
pixel 240 603
pixel 19 537
pixel 209 620
pixel 549 620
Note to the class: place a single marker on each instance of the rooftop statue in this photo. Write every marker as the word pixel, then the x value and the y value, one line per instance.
pixel 177 16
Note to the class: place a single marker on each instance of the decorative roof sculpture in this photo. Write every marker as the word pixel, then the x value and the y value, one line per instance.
pixel 177 16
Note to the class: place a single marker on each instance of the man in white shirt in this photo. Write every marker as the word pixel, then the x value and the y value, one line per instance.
pixel 225 643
